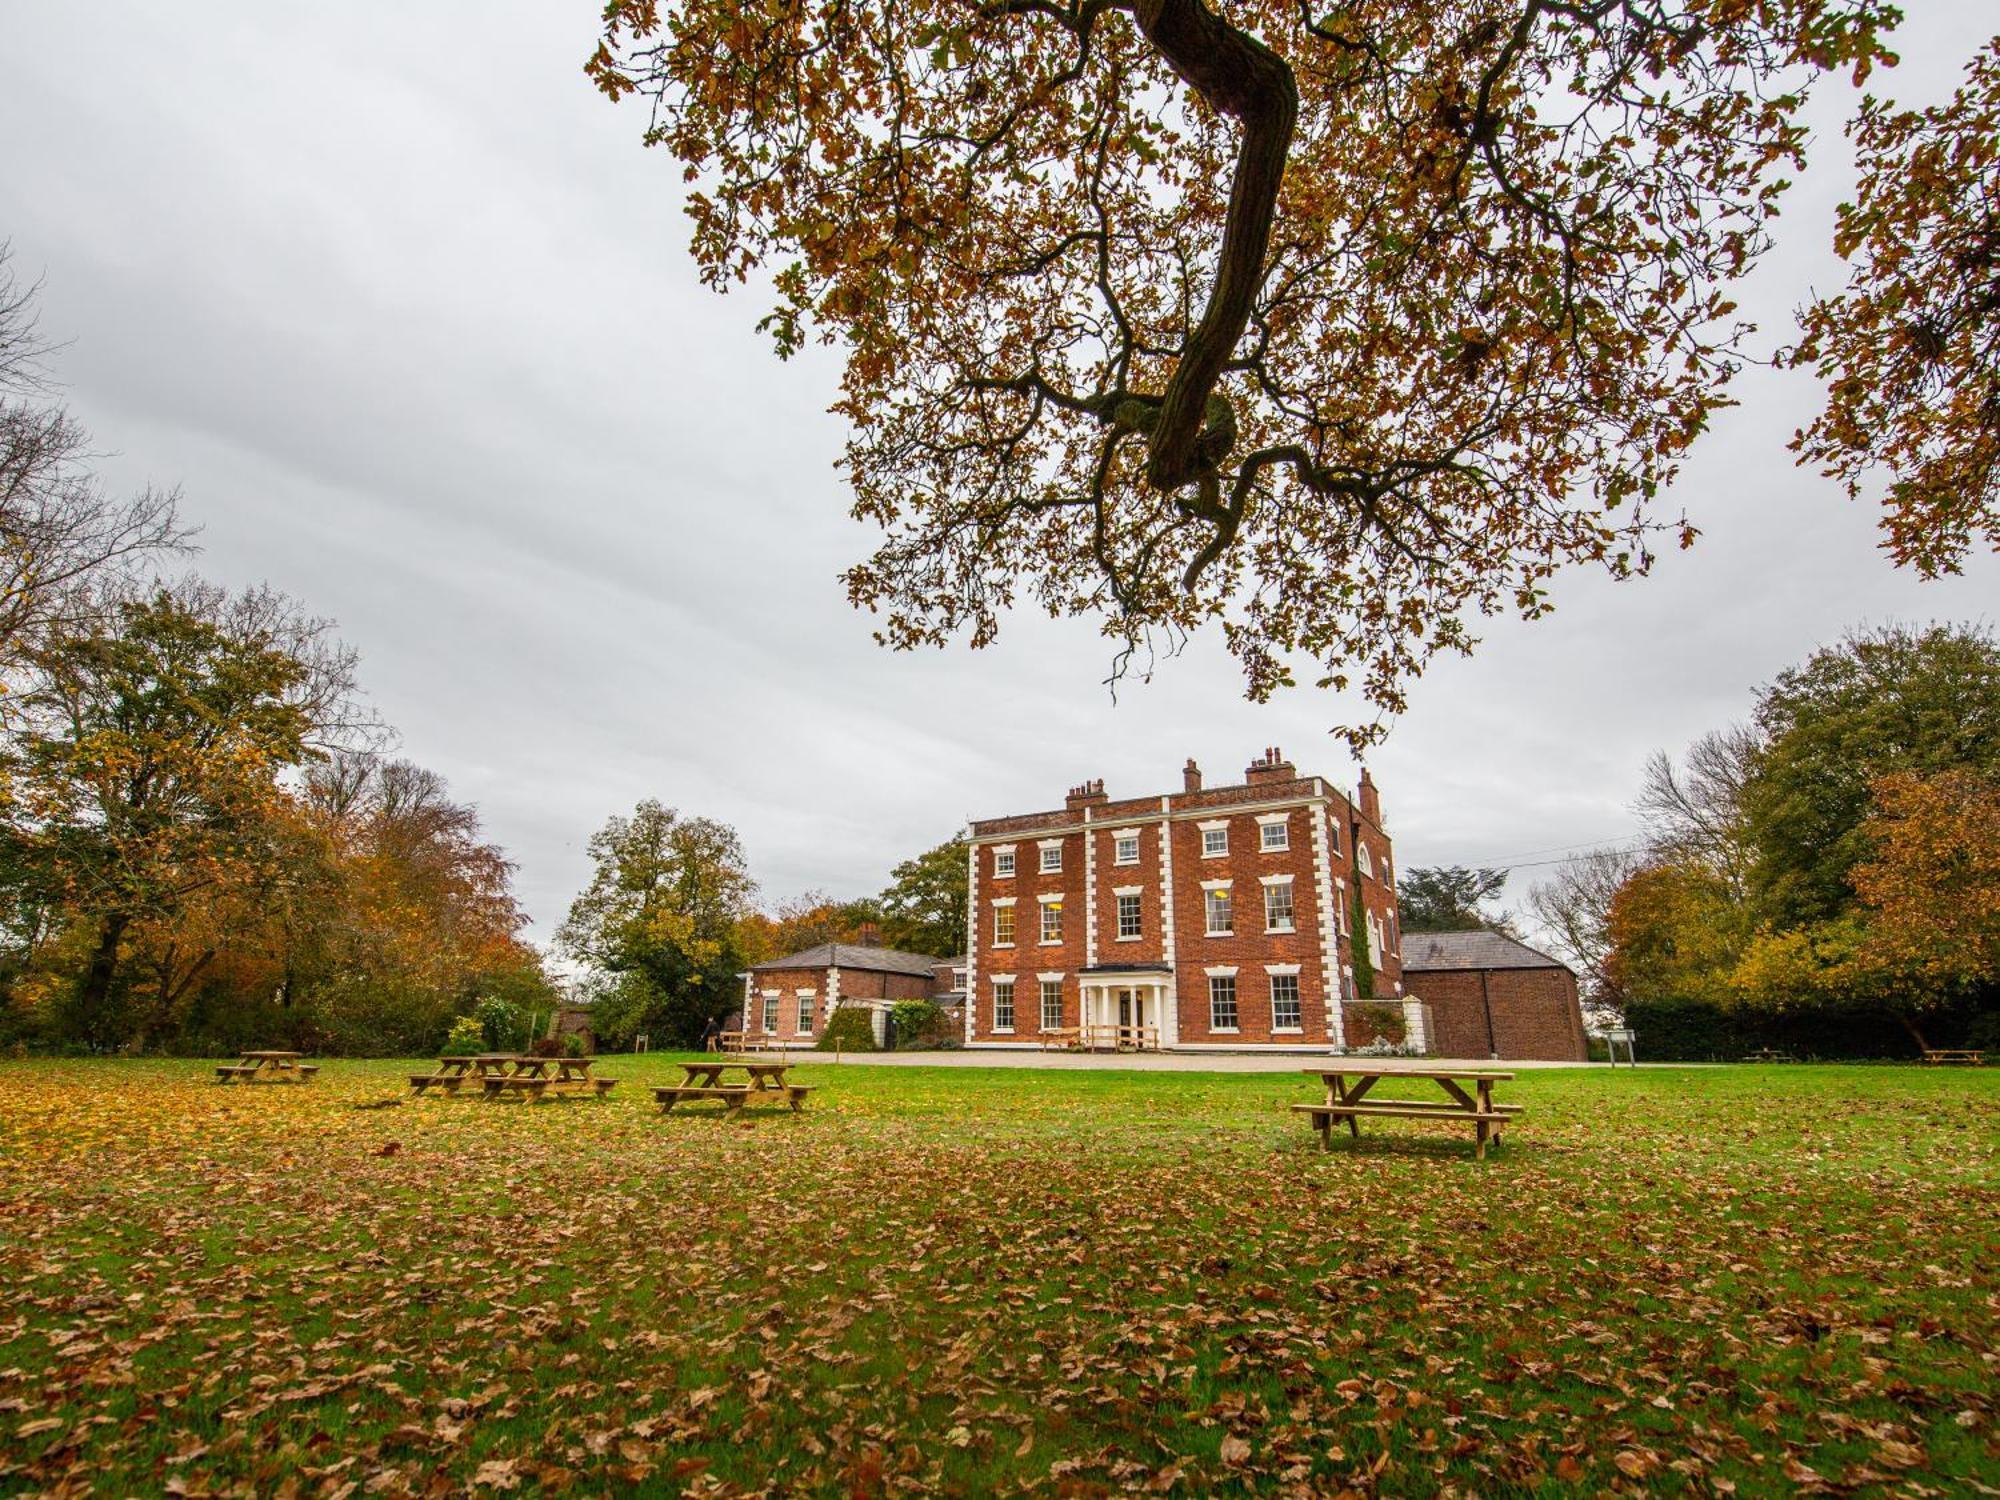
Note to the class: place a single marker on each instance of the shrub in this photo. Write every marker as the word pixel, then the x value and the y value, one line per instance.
pixel 921 1025
pixel 467 1037
pixel 848 1028
pixel 505 1028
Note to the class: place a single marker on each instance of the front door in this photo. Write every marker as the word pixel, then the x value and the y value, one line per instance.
pixel 1131 1008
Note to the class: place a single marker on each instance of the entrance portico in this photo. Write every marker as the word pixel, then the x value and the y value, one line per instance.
pixel 1128 1006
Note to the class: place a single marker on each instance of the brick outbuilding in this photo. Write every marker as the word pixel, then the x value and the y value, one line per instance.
pixel 790 998
pixel 1491 996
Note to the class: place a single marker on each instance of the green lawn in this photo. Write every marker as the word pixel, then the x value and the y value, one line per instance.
pixel 973 1281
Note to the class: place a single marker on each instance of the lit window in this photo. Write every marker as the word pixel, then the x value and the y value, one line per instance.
pixel 1220 923
pixel 805 1015
pixel 1003 863
pixel 1003 926
pixel 1052 859
pixel 1003 1005
pixel 1278 907
pixel 1051 1004
pixel 1276 836
pixel 1052 921
pixel 1128 917
pixel 1222 1002
pixel 770 1013
pixel 1126 849
pixel 1285 1002
pixel 1214 841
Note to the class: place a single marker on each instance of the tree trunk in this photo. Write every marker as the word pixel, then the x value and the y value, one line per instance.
pixel 93 993
pixel 1908 1023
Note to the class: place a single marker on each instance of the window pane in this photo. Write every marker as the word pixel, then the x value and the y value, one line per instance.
pixel 1128 850
pixel 1218 911
pixel 1278 906
pixel 1221 1002
pixel 1215 841
pixel 1277 836
pixel 1003 924
pixel 1052 860
pixel 1003 864
pixel 1051 1004
pixel 805 1014
pixel 770 1013
pixel 1052 921
pixel 1003 1005
pixel 1285 1001
pixel 1128 917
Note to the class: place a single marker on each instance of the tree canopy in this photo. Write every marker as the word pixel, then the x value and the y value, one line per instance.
pixel 1338 328
pixel 1450 898
pixel 662 918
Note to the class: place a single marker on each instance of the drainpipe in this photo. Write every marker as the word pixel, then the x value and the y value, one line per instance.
pixel 1486 1003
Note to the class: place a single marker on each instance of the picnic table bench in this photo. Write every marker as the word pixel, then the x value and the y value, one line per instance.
pixel 267 1067
pixel 1769 1055
pixel 1973 1057
pixel 1348 1087
pixel 703 1080
pixel 1063 1037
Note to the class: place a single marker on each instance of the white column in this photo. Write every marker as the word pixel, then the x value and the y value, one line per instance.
pixel 971 937
pixel 1329 943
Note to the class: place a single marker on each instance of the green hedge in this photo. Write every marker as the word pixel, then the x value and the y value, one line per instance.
pixel 1702 1031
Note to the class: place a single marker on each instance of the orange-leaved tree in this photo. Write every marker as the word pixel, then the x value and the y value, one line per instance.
pixel 1910 348
pixel 1337 325
pixel 1933 885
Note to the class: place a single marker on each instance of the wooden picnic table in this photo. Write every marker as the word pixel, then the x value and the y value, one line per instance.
pixel 1974 1057
pixel 703 1080
pixel 261 1065
pixel 1349 1085
pixel 499 1073
pixel 763 1075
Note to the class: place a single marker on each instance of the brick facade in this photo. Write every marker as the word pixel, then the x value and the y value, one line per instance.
pixel 1177 849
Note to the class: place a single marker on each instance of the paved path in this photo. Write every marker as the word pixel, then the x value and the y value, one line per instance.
pixel 1154 1062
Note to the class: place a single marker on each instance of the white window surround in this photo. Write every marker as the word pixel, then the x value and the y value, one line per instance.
pixel 1048 843
pixel 1215 885
pixel 1274 817
pixel 808 994
pixel 1004 900
pixel 1046 897
pixel 767 994
pixel 1054 978
pixel 1214 843
pixel 1003 861
pixel 1276 879
pixel 1128 890
pixel 1122 840
pixel 1221 971
pixel 999 978
pixel 1052 860
pixel 1209 825
pixel 1281 968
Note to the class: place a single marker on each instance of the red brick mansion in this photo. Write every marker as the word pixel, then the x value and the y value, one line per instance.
pixel 1209 917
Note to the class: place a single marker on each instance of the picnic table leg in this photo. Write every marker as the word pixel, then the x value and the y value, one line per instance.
pixel 1353 1121
pixel 1480 1151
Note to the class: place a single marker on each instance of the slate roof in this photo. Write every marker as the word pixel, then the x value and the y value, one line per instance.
pixel 853 956
pixel 1430 952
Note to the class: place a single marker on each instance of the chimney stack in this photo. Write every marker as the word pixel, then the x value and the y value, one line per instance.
pixel 1273 767
pixel 1371 805
pixel 870 935
pixel 1190 776
pixel 1087 795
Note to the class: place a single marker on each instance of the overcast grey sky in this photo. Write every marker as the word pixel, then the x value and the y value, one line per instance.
pixel 405 308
